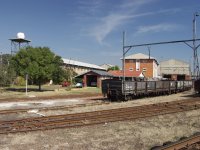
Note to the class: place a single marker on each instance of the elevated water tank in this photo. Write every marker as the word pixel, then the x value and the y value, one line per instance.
pixel 20 35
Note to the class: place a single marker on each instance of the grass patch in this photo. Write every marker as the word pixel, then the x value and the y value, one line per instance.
pixel 16 92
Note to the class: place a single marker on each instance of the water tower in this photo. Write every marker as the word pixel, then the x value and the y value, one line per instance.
pixel 18 42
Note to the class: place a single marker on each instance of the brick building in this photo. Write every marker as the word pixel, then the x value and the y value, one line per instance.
pixel 142 63
pixel 129 75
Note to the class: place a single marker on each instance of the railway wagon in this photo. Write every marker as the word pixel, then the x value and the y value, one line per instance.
pixel 113 89
pixel 197 86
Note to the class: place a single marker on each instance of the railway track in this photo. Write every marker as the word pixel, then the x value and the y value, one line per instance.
pixel 190 143
pixel 15 111
pixel 96 117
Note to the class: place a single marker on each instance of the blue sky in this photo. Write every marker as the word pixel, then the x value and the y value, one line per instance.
pixel 91 30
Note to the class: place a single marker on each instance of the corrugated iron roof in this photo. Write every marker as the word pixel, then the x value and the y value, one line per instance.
pixel 174 62
pixel 99 72
pixel 82 64
pixel 119 73
pixel 138 56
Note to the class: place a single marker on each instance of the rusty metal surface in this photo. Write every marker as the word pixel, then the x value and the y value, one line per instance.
pixel 190 143
pixel 197 86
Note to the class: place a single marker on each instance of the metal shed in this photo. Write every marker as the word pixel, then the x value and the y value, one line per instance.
pixel 175 69
pixel 93 78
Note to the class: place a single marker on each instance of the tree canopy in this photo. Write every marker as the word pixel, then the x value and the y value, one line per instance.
pixel 113 68
pixel 40 63
pixel 6 71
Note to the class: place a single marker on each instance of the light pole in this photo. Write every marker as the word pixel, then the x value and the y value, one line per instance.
pixel 195 55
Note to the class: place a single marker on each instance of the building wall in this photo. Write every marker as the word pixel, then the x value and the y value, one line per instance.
pixel 79 69
pixel 174 67
pixel 99 79
pixel 155 69
pixel 147 66
pixel 175 70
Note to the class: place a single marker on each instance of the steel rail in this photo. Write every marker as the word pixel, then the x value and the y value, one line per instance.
pixel 10 111
pixel 182 144
pixel 90 118
pixel 136 108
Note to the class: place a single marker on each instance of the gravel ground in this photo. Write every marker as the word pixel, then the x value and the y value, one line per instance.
pixel 141 134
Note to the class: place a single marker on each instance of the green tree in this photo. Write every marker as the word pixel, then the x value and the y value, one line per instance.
pixel 6 71
pixel 40 63
pixel 113 68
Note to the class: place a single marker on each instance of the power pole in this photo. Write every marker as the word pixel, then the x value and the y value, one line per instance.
pixel 195 54
pixel 1 62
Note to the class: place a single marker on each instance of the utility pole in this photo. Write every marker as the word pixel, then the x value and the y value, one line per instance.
pixel 1 62
pixel 195 54
pixel 123 66
pixel 149 50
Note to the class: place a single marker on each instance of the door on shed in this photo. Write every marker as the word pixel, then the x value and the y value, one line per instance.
pixel 91 80
pixel 180 77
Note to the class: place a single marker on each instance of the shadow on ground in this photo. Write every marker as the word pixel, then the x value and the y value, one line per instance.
pixel 29 90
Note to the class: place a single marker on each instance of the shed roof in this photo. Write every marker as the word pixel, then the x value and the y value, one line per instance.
pixel 119 73
pixel 82 64
pixel 174 62
pixel 98 72
pixel 138 56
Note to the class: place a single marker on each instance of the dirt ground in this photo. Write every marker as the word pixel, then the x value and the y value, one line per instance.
pixel 141 134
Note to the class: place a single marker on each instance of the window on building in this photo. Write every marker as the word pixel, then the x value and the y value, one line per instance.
pixel 137 64
pixel 144 69
pixel 130 69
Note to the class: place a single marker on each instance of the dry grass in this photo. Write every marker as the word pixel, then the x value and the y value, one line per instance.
pixel 20 92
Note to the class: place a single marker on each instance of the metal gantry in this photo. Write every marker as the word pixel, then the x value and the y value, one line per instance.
pixel 126 48
pixel 194 46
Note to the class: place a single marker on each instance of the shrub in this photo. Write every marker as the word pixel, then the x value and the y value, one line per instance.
pixel 20 81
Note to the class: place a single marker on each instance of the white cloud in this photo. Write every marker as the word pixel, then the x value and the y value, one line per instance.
pixel 108 24
pixel 135 3
pixel 114 19
pixel 157 28
pixel 126 12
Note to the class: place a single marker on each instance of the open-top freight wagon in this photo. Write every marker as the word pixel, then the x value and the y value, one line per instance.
pixel 197 86
pixel 119 90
